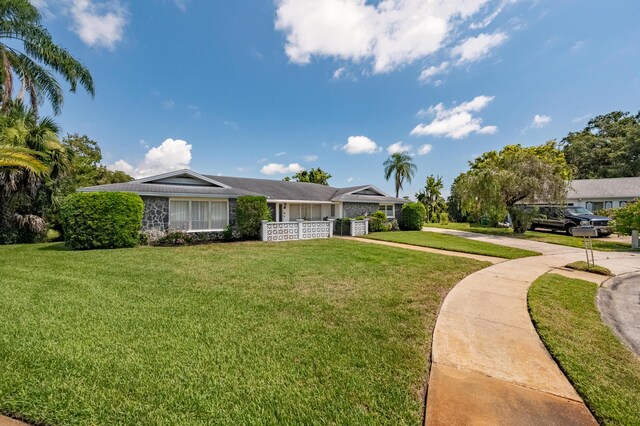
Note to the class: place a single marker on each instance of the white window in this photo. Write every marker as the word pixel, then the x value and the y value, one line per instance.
pixel 623 203
pixel 388 209
pixel 608 204
pixel 198 215
pixel 309 211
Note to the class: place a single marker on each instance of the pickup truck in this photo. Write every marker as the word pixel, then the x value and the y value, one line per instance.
pixel 565 218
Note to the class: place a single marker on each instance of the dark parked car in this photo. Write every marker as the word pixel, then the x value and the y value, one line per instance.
pixel 565 218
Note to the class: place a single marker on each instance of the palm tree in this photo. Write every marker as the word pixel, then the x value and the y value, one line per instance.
pixel 26 193
pixel 21 22
pixel 401 164
pixel 431 197
pixel 16 156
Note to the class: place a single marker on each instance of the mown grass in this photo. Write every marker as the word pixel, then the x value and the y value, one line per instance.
pixel 601 244
pixel 451 242
pixel 603 371
pixel 315 332
pixel 581 265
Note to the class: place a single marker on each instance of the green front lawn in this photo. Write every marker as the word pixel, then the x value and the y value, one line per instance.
pixel 451 242
pixel 601 244
pixel 604 372
pixel 323 331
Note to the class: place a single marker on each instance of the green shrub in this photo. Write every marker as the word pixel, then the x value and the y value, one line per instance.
pixel 175 238
pixel 444 218
pixel 94 220
pixel 627 219
pixel 378 222
pixel 413 217
pixel 251 210
pixel 521 219
pixel 227 233
pixel 342 226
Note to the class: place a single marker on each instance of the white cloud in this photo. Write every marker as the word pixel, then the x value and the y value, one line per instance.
pixel 457 122
pixel 99 24
pixel 172 154
pixel 391 33
pixel 476 48
pixel 540 121
pixel 122 166
pixel 195 111
pixel 280 169
pixel 349 179
pixel 168 104
pixel 398 147
pixel 582 118
pixel 578 45
pixel 181 4
pixel 360 145
pixel 232 124
pixel 425 149
pixel 339 73
pixel 279 154
pixel 310 158
pixel 427 73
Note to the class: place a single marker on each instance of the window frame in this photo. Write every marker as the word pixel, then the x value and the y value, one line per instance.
pixel 393 209
pixel 208 201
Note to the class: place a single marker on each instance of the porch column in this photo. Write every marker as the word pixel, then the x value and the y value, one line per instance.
pixel 331 225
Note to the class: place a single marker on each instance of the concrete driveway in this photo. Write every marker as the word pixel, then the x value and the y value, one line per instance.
pixel 619 304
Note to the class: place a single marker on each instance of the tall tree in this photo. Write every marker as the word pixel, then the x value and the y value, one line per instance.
pixel 431 197
pixel 24 198
pixel 608 147
pixel 84 169
pixel 15 156
pixel 21 23
pixel 497 181
pixel 318 176
pixel 399 164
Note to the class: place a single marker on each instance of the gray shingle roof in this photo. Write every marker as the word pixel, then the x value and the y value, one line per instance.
pixel 280 190
pixel 628 187
pixel 167 190
pixel 272 189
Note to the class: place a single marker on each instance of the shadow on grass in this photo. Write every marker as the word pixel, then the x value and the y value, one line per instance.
pixel 55 247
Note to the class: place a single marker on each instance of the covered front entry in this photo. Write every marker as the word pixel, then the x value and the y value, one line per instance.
pixel 290 212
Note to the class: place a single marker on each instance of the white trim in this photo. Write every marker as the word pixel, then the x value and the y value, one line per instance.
pixel 273 200
pixel 170 194
pixel 362 188
pixel 198 199
pixel 393 209
pixel 187 172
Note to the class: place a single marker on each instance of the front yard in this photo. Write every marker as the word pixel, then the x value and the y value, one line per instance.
pixel 602 244
pixel 604 372
pixel 452 243
pixel 323 331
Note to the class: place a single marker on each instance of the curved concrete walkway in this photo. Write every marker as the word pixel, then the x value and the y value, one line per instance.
pixel 489 366
pixel 480 257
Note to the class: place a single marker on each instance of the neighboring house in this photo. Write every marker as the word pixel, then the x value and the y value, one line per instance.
pixel 193 202
pixel 598 194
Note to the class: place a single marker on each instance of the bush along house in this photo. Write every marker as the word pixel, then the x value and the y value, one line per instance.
pixel 205 205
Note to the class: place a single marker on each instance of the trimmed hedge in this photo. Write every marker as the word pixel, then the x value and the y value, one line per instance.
pixel 413 217
pixel 94 220
pixel 251 210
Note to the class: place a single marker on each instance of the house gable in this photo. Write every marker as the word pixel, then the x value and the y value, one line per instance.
pixel 182 177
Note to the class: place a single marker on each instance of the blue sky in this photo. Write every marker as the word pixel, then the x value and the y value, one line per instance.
pixel 246 88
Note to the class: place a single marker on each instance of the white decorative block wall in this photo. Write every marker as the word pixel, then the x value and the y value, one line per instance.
pixel 288 231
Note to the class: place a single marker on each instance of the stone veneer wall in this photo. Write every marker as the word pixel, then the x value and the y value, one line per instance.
pixel 156 213
pixel 352 210
pixel 156 217
pixel 398 208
